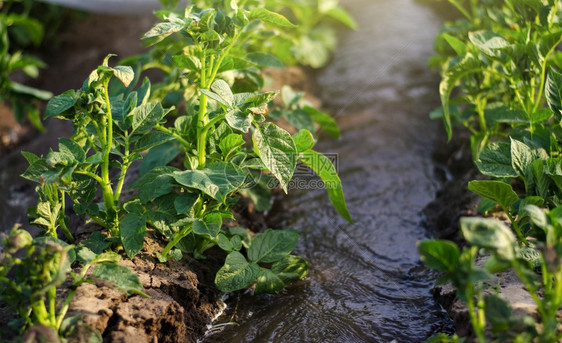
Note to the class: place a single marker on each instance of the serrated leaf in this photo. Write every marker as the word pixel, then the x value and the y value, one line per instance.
pixel 236 273
pixel 496 191
pixel 121 276
pixel 439 255
pixel 216 180
pixel 270 17
pixel 277 151
pixel 324 168
pixel 272 245
pixel 132 228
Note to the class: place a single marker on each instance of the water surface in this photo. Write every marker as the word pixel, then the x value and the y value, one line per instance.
pixel 366 283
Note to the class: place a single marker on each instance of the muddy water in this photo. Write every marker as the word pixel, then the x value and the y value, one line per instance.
pixel 366 283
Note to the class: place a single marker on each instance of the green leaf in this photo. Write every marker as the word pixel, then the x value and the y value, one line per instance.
pixel 341 15
pixel 495 160
pixel 299 119
pixel 277 151
pixel 184 203
pixel 553 93
pixel 537 216
pixel 272 245
pixel 121 276
pixel 303 140
pixel 71 148
pixel 236 273
pixel 210 225
pixel 224 243
pixel 324 168
pixel 230 144
pixel 488 41
pixel 521 156
pixel 489 234
pixel 155 183
pixel 290 268
pixel 125 74
pixel 457 45
pixel 268 282
pixel 151 140
pixel 469 64
pixel 35 171
pixel 263 59
pixel 146 116
pixel 234 63
pixel 96 243
pixel 187 62
pixel 324 120
pixel 439 255
pixel 238 120
pixel 216 180
pixel 159 156
pixel 498 312
pixel 60 103
pixel 270 17
pixel 497 191
pixel 222 89
pixel 132 228
pixel 162 30
pixel 244 233
pixel 34 92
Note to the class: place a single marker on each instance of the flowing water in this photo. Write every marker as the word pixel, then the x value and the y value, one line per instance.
pixel 366 283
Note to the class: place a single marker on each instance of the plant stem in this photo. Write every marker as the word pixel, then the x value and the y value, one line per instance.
pixel 108 195
pixel 476 322
pixel 175 240
pixel 179 138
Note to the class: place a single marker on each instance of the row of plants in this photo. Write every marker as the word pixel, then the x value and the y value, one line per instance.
pixel 204 139
pixel 500 79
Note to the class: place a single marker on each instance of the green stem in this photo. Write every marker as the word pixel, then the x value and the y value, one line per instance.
pixel 52 295
pixel 124 167
pixel 62 219
pixel 40 312
pixel 201 133
pixel 107 191
pixel 476 322
pixel 175 240
pixel 178 137
pixel 516 228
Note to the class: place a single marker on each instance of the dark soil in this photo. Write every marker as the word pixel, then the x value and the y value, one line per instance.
pixel 183 300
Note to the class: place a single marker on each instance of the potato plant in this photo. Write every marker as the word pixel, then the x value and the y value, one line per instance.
pixel 500 79
pixel 219 132
pixel 31 270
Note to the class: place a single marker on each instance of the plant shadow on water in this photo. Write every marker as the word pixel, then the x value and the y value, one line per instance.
pixel 366 283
